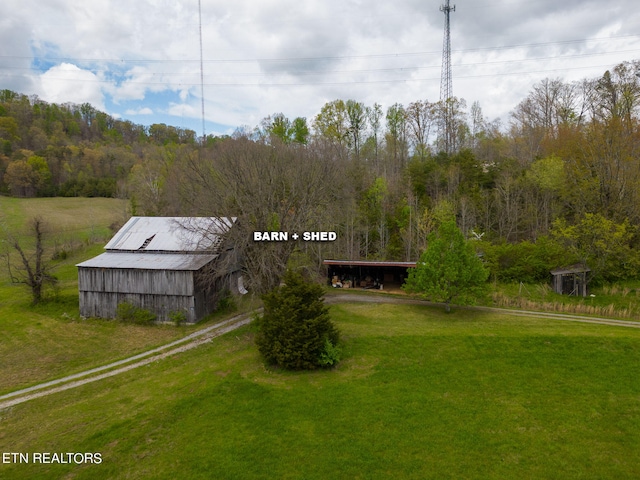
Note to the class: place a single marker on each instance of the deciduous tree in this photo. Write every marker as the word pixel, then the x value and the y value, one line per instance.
pixel 281 188
pixel 449 270
pixel 601 244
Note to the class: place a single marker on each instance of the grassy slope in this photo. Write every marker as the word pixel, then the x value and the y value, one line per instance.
pixel 419 395
pixel 48 341
pixel 81 216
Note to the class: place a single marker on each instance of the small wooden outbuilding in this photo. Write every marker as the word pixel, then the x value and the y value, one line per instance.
pixel 571 280
pixel 161 264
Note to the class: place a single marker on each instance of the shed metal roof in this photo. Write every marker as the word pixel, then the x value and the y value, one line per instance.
pixel 577 268
pixel 366 263
pixel 149 261
pixel 170 234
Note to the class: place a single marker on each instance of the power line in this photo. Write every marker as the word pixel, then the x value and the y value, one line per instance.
pixel 369 70
pixel 201 69
pixel 337 83
pixel 123 61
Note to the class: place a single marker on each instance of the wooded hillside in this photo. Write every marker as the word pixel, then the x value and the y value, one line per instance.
pixel 560 182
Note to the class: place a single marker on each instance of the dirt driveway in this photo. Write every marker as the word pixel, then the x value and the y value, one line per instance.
pixel 208 333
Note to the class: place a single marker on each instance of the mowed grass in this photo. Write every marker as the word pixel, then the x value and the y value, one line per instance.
pixel 50 340
pixel 419 394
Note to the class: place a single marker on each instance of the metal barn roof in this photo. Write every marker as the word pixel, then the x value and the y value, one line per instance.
pixel 148 261
pixel 170 234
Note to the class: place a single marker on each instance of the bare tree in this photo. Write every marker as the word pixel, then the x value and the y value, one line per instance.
pixel 357 122
pixel 269 188
pixel 32 269
pixel 375 115
pixel 420 118
pixel 617 94
pixel 451 112
pixel 396 139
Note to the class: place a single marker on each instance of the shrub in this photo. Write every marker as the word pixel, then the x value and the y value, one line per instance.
pixel 331 354
pixel 295 330
pixel 227 302
pixel 126 312
pixel 525 261
pixel 178 317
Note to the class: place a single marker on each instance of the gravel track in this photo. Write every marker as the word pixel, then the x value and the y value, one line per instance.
pixel 346 298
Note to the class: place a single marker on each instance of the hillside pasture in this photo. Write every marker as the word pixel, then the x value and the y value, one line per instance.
pixel 76 216
pixel 50 340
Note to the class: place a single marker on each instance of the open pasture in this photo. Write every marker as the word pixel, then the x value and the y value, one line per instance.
pixel 419 394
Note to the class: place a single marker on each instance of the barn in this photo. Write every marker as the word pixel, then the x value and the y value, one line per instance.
pixel 161 264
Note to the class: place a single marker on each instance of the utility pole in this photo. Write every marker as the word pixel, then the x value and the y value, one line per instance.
pixel 446 88
pixel 204 135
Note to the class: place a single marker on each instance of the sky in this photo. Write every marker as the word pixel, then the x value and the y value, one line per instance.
pixel 139 60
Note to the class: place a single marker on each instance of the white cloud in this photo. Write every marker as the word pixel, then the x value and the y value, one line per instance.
pixel 68 83
pixel 292 57
pixel 139 111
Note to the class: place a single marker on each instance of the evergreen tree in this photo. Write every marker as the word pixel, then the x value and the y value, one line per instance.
pixel 295 331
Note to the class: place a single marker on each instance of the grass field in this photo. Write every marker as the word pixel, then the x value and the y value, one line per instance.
pixel 78 217
pixel 620 300
pixel 50 340
pixel 419 394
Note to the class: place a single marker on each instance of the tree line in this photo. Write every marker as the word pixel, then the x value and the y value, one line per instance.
pixel 559 182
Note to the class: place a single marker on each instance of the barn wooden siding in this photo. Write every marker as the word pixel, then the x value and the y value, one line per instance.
pixel 159 291
pixel 155 282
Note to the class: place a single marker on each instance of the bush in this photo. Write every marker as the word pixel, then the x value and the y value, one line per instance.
pixel 178 317
pixel 525 261
pixel 227 302
pixel 331 354
pixel 126 312
pixel 295 330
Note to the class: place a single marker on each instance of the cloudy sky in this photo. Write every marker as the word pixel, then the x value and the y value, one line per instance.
pixel 140 59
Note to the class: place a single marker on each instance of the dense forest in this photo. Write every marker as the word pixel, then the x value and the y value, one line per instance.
pixel 558 184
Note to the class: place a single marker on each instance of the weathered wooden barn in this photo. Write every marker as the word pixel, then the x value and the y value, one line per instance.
pixel 161 264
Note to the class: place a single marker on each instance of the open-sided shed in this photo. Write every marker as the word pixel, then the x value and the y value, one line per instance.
pixel 161 264
pixel 367 273
pixel 571 280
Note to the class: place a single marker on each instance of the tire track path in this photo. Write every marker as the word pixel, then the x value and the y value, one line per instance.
pixel 72 381
pixel 209 333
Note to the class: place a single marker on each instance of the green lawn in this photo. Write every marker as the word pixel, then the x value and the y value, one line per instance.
pixel 50 340
pixel 419 394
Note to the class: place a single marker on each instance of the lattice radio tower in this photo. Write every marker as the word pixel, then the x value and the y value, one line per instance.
pixel 446 88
